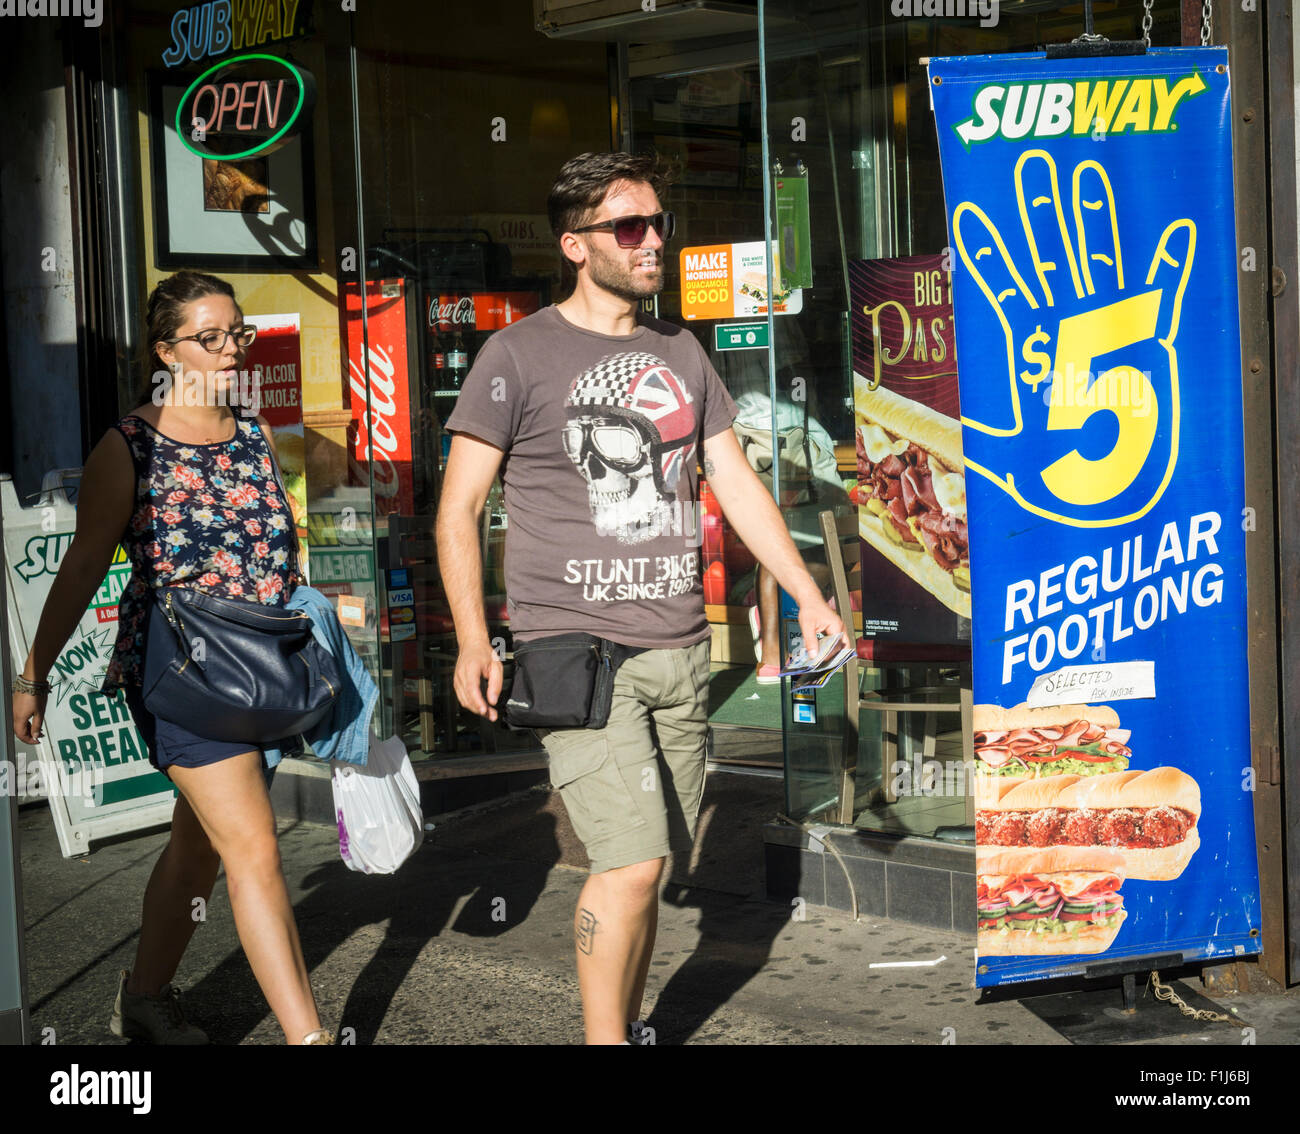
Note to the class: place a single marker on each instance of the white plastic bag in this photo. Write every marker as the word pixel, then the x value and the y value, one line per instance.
pixel 378 809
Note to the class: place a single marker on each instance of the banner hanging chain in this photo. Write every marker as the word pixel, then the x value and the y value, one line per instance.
pixel 1164 992
pixel 1206 23
pixel 1146 22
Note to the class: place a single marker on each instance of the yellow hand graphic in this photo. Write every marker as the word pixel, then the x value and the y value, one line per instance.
pixel 1065 268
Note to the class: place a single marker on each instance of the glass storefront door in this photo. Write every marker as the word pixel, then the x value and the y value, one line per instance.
pixel 461 119
pixel 391 232
pixel 848 112
pixel 400 221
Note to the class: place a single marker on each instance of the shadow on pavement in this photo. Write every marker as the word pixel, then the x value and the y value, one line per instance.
pixel 417 903
pixel 736 933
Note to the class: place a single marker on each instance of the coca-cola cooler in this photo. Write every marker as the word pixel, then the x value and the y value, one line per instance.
pixel 468 291
pixel 462 282
pixel 386 425
pixel 420 351
pixel 456 324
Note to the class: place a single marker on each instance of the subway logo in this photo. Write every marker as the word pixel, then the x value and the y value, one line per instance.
pixel 1087 106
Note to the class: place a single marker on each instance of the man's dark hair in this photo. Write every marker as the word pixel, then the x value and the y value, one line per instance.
pixel 581 185
pixel 583 181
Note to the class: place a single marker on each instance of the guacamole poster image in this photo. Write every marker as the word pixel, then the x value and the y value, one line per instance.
pixel 1089 206
pixel 911 492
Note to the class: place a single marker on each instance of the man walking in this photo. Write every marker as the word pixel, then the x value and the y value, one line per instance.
pixel 595 417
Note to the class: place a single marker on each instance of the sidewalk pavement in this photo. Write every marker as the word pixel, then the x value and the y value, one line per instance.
pixel 470 942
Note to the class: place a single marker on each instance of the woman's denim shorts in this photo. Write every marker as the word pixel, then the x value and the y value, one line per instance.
pixel 171 743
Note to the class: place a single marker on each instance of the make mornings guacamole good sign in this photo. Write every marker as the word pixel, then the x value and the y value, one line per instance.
pixel 1095 292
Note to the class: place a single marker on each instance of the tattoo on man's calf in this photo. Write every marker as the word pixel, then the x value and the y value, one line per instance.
pixel 586 930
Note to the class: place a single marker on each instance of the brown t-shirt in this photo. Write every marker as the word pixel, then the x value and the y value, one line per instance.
pixel 602 435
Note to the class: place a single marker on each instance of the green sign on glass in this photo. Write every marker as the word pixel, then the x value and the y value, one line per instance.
pixel 740 336
pixel 793 233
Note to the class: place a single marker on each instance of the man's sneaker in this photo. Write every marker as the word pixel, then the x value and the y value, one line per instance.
pixel 638 1035
pixel 158 1019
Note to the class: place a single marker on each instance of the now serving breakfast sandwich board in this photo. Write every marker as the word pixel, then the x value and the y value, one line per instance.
pixel 1089 205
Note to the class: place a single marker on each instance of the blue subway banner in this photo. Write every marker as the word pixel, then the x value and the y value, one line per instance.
pixel 1090 213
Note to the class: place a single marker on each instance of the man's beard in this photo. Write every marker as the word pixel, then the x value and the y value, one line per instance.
pixel 615 278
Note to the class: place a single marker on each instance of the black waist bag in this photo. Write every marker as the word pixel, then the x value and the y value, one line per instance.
pixel 231 669
pixel 564 681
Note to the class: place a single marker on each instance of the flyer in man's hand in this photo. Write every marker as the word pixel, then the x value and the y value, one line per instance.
pixel 812 672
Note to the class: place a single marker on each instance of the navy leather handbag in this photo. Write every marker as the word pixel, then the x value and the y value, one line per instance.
pixel 230 669
pixel 234 669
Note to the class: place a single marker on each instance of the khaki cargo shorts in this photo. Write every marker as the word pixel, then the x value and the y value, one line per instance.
pixel 633 788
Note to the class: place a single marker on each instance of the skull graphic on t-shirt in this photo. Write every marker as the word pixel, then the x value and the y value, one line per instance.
pixel 630 430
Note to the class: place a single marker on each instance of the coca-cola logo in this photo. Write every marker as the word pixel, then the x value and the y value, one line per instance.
pixel 452 312
pixel 378 422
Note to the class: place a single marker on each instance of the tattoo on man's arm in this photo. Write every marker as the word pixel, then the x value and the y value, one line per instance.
pixel 586 930
pixel 708 467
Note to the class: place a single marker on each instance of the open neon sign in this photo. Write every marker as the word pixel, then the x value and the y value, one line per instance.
pixel 233 110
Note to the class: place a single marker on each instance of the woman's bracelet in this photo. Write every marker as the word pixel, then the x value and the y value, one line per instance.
pixel 35 688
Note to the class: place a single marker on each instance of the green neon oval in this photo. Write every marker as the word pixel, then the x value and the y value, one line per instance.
pixel 297 110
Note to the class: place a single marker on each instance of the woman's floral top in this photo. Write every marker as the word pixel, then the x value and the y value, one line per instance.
pixel 211 517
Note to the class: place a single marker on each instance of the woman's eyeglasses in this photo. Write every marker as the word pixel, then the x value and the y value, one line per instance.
pixel 214 341
pixel 630 231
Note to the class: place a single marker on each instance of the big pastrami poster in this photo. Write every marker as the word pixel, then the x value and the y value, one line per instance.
pixel 1090 214
pixel 911 493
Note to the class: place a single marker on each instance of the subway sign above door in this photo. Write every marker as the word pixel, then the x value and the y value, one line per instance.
pixel 204 31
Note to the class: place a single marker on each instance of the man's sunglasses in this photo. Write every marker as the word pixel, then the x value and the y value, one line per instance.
pixel 630 231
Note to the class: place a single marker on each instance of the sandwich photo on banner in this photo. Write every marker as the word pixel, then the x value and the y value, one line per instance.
pixel 1083 739
pixel 1048 900
pixel 1148 817
pixel 912 492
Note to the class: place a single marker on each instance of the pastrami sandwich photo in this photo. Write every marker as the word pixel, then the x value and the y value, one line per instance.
pixel 912 491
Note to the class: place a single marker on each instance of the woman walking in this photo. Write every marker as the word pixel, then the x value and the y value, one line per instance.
pixel 187 486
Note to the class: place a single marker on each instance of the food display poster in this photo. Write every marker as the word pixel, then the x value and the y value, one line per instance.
pixel 276 357
pixel 729 281
pixel 1090 214
pixel 911 492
